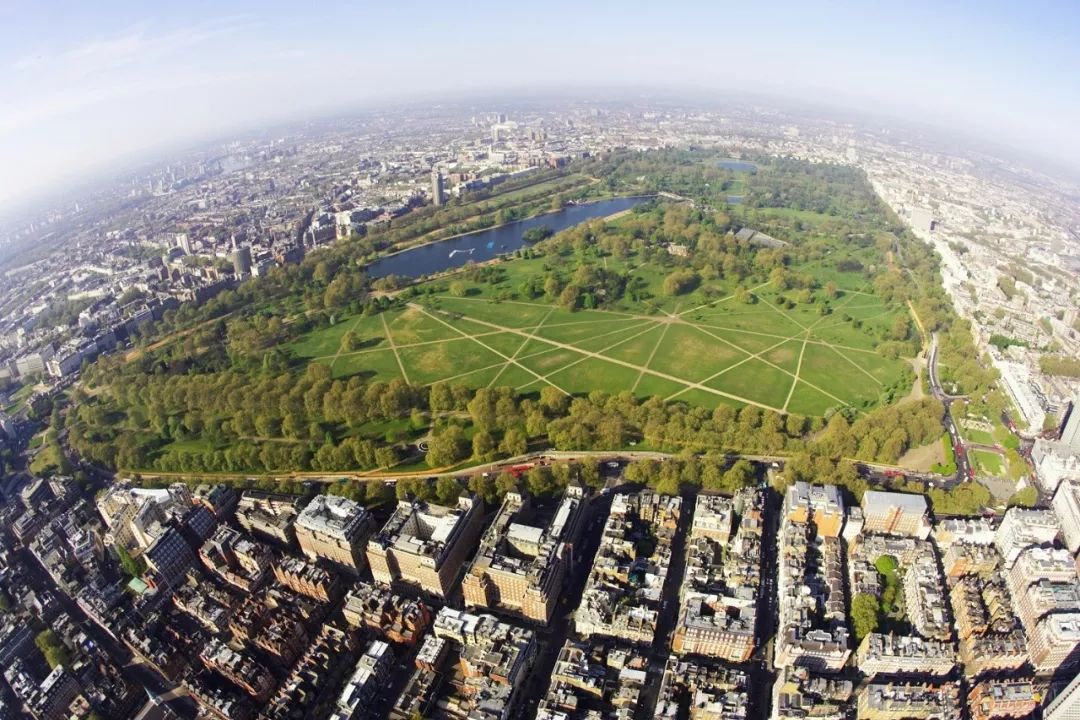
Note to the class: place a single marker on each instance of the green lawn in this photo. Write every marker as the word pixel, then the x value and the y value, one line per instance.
pixel 991 463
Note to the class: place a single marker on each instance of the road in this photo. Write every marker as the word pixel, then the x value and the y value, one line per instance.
pixel 963 467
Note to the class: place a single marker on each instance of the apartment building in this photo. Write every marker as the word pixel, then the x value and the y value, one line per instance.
pixel 525 555
pixel 335 529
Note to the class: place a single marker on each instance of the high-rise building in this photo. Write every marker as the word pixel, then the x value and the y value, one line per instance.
pixel 241 260
pixel 1065 705
pixel 1070 433
pixel 184 243
pixel 426 545
pixel 438 194
pixel 336 529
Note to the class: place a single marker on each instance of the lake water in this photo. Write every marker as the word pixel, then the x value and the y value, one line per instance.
pixel 737 165
pixel 487 244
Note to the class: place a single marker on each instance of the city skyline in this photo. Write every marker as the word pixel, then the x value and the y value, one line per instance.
pixel 87 90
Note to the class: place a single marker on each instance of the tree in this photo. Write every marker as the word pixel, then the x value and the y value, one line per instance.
pixel 681 281
pixel 738 476
pixel 447 489
pixel 514 443
pixel 386 456
pixel 483 446
pixel 132 566
pixel 458 289
pixel 864 615
pixel 54 651
pixel 447 448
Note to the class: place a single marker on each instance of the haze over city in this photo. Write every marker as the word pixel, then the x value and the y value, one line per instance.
pixel 85 87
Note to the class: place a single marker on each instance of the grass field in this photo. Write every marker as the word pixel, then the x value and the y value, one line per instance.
pixel 702 348
pixel 990 463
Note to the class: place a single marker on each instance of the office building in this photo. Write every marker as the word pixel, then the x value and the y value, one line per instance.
pixel 1054 461
pixel 426 545
pixel 1054 643
pixel 525 555
pixel 335 529
pixel 169 559
pixel 892 513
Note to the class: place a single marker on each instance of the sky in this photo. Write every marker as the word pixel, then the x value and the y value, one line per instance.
pixel 85 86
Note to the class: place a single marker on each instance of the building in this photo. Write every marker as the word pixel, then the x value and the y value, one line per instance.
pixel 904 654
pixel 962 558
pixel 239 669
pixel 799 694
pixel 820 504
pixel 438 193
pixel 369 678
pixel 622 596
pixel 494 658
pixel 307 578
pixel 525 555
pixel 316 676
pixel 1054 461
pixel 399 619
pixel 1066 506
pixel 1023 528
pixel 52 698
pixel 877 701
pixel 1053 643
pixel 240 561
pixel 241 260
pixel 1004 698
pixel 335 529
pixel 967 530
pixel 718 611
pixel 717 693
pixel 169 559
pixel 271 516
pixel 1065 705
pixel 426 545
pixel 925 596
pixel 892 513
pixel 812 630
pixel 1070 433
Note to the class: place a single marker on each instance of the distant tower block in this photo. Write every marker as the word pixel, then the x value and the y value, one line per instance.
pixel 438 196
pixel 241 261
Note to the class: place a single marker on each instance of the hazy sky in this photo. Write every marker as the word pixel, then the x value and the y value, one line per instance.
pixel 86 84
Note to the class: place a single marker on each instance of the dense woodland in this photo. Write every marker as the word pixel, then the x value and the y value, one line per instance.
pixel 224 394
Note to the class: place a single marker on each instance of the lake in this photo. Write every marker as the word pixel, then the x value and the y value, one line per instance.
pixel 487 244
pixel 737 165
